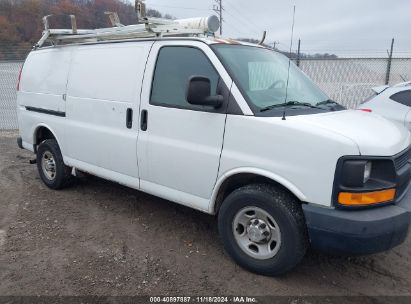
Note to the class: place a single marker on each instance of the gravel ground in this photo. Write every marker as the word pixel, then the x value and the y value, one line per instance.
pixel 100 238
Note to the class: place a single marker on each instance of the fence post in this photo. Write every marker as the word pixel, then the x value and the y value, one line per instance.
pixel 298 52
pixel 387 76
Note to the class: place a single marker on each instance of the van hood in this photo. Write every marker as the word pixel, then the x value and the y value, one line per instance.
pixel 373 134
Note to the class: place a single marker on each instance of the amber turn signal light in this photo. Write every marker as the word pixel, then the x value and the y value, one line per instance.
pixel 366 198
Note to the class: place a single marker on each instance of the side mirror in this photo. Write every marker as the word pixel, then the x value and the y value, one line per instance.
pixel 199 91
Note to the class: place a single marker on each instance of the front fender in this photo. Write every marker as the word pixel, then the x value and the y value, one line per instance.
pixel 256 171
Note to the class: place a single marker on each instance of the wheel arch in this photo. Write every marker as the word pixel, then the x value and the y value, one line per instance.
pixel 239 177
pixel 42 132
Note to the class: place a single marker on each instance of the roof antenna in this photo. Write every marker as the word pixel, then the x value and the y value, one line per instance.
pixel 263 39
pixel 289 61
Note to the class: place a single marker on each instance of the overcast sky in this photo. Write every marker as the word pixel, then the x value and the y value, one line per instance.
pixel 343 27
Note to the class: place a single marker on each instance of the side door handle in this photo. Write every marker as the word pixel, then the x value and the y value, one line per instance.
pixel 129 118
pixel 144 120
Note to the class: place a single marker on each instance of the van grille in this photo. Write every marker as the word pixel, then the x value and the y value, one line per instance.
pixel 403 159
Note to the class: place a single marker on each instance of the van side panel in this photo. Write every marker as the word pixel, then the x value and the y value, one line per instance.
pixel 45 78
pixel 42 86
pixel 108 72
pixel 104 82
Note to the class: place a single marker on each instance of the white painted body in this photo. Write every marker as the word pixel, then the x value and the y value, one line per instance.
pixel 184 156
pixel 383 105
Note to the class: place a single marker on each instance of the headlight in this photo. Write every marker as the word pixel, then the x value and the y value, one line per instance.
pixel 367 171
pixel 356 173
pixel 361 182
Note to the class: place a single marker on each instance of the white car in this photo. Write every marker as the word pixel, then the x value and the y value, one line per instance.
pixel 211 124
pixel 393 103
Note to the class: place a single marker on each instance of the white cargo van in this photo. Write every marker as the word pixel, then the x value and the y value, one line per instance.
pixel 226 128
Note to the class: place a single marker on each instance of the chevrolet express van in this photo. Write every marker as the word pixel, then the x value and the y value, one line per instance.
pixel 227 128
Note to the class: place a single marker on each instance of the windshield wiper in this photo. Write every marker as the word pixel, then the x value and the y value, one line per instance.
pixel 327 102
pixel 288 104
pixel 333 104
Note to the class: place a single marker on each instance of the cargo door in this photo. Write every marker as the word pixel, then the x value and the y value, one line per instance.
pixel 103 99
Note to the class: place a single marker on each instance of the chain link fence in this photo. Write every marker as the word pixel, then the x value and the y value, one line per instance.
pixel 348 81
pixel 9 72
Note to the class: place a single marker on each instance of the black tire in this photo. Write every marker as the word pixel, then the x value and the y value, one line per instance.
pixel 62 174
pixel 284 209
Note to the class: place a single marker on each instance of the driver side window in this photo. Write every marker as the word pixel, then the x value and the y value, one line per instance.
pixel 175 66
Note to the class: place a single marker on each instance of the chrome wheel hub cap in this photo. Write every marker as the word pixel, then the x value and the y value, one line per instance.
pixel 257 233
pixel 48 165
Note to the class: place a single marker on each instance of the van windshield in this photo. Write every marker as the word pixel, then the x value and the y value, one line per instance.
pixel 262 74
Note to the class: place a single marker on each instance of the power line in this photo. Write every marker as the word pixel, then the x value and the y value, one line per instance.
pixel 238 20
pixel 181 7
pixel 241 20
pixel 244 17
pixel 229 22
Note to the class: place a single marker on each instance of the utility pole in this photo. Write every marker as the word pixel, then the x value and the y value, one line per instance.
pixel 298 52
pixel 140 8
pixel 218 8
pixel 387 76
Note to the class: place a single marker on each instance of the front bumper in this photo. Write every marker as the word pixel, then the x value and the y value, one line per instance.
pixel 359 231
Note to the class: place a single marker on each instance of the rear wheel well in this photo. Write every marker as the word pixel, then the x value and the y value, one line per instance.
pixel 42 133
pixel 239 180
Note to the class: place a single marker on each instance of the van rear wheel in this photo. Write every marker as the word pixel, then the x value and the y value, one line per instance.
pixel 263 229
pixel 53 172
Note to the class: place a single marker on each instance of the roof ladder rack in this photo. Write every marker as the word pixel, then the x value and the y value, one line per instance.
pixel 150 27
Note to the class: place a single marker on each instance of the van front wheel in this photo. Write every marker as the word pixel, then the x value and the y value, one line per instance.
pixel 263 229
pixel 53 172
